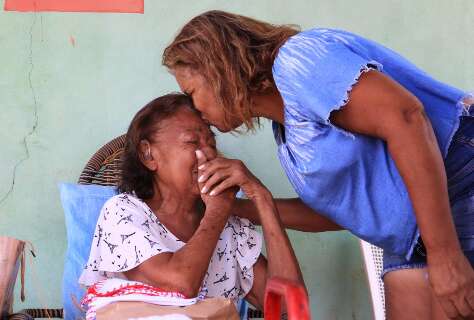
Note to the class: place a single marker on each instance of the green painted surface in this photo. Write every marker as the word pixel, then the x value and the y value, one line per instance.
pixel 66 100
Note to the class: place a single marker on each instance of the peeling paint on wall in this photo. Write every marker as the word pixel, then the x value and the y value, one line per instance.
pixel 35 115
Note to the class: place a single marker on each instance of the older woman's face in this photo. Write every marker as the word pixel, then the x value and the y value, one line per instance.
pixel 175 148
pixel 204 99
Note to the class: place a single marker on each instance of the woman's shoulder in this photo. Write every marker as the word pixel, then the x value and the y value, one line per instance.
pixel 321 36
pixel 125 204
pixel 124 200
pixel 306 39
pixel 315 44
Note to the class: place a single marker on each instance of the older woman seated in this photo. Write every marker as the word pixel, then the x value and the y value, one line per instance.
pixel 165 231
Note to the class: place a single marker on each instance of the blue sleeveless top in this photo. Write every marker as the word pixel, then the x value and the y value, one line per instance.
pixel 351 178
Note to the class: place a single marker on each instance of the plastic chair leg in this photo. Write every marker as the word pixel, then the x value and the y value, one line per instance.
pixel 295 297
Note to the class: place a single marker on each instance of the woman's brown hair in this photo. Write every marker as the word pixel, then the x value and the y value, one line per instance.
pixel 135 177
pixel 235 53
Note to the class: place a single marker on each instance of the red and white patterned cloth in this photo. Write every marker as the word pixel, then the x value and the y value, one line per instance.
pixel 107 291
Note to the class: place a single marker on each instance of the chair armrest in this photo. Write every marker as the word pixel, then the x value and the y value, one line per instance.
pixel 295 297
pixel 27 314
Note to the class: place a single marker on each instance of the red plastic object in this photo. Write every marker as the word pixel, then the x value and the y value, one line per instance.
pixel 121 6
pixel 295 297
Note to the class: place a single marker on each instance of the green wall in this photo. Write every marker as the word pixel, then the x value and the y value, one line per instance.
pixel 60 102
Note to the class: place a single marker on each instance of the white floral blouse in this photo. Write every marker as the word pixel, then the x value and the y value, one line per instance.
pixel 128 233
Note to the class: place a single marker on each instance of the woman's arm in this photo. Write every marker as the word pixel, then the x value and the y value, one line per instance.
pixel 184 270
pixel 220 174
pixel 280 255
pixel 294 214
pixel 380 107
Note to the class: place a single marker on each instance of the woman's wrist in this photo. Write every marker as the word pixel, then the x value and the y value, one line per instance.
pixel 261 195
pixel 266 207
pixel 443 252
pixel 215 214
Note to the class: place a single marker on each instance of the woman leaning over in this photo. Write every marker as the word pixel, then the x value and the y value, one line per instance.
pixel 367 140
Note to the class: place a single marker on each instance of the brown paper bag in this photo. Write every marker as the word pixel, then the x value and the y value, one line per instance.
pixel 10 252
pixel 209 309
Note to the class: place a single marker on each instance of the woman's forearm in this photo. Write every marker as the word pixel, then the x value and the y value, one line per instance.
pixel 204 239
pixel 192 260
pixel 418 159
pixel 294 214
pixel 380 107
pixel 281 258
pixel 184 270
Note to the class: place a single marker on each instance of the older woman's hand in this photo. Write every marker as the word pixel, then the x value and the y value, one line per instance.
pixel 220 174
pixel 221 204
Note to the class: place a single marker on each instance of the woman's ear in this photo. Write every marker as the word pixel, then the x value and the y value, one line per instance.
pixel 146 156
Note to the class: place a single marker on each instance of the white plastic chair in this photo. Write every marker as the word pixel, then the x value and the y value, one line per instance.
pixel 373 260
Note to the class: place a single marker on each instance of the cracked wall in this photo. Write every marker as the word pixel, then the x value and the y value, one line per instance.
pixel 35 114
pixel 62 99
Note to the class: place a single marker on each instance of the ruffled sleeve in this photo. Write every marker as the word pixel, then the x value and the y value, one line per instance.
pixel 126 234
pixel 315 71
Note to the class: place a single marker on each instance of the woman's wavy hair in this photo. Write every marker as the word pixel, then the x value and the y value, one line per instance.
pixel 135 177
pixel 234 53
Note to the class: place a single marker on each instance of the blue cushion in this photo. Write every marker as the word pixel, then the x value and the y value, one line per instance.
pixel 82 205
